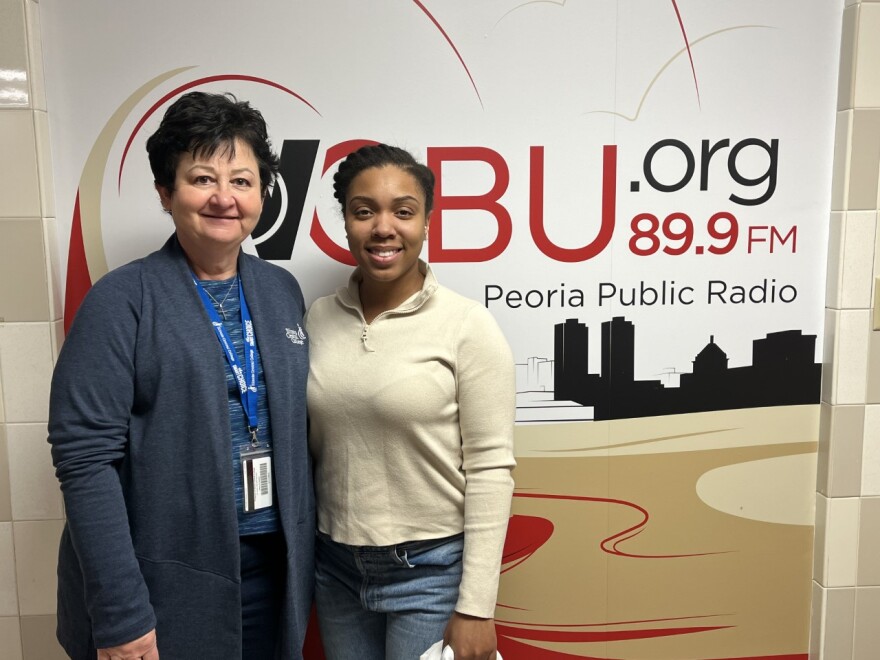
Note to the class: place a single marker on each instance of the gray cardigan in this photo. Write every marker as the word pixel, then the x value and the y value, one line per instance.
pixel 140 435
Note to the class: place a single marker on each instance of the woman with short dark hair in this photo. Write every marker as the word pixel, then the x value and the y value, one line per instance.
pixel 178 425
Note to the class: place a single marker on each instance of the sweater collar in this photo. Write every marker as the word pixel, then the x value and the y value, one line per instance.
pixel 173 250
pixel 349 295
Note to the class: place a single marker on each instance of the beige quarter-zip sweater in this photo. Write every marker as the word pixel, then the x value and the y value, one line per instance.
pixel 411 427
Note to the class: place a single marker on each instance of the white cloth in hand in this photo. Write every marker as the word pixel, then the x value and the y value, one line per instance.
pixel 435 653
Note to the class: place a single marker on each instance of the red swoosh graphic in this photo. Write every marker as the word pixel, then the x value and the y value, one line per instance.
pixel 609 545
pixel 452 45
pixel 78 281
pixel 575 636
pixel 687 44
pixel 525 534
pixel 609 623
pixel 516 650
pixel 190 85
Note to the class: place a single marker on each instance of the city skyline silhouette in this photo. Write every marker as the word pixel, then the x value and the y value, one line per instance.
pixel 783 372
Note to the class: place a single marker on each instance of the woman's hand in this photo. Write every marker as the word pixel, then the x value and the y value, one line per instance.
pixel 470 637
pixel 143 648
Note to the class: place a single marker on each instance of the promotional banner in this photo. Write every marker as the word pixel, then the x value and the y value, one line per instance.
pixel 637 191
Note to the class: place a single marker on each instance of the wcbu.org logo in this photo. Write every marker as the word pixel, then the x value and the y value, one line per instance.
pixel 298 161
pixel 284 211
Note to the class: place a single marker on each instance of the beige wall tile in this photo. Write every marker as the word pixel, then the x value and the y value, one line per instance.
pixel 866 642
pixel 34 488
pixel 820 544
pixel 36 554
pixel 845 458
pixel 850 348
pixel 857 266
pixel 10 638
pixel 26 361
pixel 840 605
pixel 50 245
pixel 869 543
pixel 866 86
pixel 841 542
pixel 817 620
pixel 833 276
pixel 19 183
pixel 44 163
pixel 829 343
pixel 840 173
pixel 871 452
pixel 864 166
pixel 5 493
pixel 38 641
pixel 23 261
pixel 8 591
pixel 57 338
pixel 872 390
pixel 848 47
pixel 823 453
pixel 876 246
pixel 13 54
pixel 35 56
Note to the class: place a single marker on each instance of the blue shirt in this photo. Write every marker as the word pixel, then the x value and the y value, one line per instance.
pixel 264 520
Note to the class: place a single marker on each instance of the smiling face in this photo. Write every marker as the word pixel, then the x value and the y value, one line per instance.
pixel 216 201
pixel 386 225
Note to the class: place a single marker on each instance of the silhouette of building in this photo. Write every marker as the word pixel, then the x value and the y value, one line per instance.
pixel 783 372
pixel 536 375
pixel 618 352
pixel 571 357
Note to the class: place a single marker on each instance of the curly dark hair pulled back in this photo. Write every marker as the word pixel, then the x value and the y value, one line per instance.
pixel 201 124
pixel 381 155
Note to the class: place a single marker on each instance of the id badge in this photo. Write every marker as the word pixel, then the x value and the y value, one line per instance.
pixel 256 472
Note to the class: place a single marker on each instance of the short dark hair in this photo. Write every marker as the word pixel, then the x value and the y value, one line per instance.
pixel 382 155
pixel 200 123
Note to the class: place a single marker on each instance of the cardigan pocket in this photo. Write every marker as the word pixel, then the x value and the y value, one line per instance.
pixel 198 612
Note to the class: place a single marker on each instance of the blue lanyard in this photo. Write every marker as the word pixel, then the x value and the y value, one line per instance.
pixel 247 378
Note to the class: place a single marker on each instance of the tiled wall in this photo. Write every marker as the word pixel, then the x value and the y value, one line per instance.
pixel 846 572
pixel 30 330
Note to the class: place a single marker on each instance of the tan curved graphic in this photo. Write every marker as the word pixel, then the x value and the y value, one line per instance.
pixel 666 65
pixel 92 179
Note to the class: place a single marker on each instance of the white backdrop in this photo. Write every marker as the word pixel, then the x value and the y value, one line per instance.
pixel 506 76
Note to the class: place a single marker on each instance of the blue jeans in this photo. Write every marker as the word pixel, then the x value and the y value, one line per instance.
pixel 263 580
pixel 386 602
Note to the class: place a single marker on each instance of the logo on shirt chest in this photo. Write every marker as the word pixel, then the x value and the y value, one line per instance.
pixel 297 336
